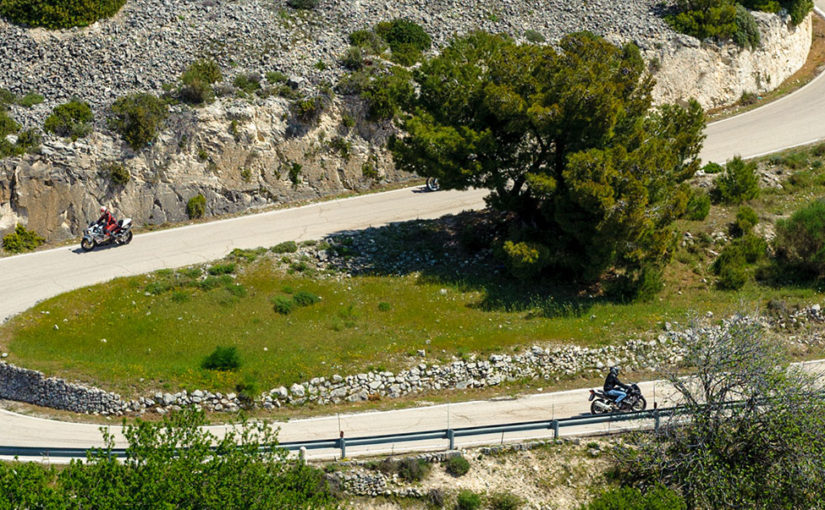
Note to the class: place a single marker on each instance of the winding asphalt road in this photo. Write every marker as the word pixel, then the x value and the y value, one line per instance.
pixel 797 119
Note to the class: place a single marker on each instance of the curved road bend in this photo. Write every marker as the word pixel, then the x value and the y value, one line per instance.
pixel 27 279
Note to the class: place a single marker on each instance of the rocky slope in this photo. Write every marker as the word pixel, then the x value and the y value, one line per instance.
pixel 239 153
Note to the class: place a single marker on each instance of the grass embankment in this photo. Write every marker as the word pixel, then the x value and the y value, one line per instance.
pixel 427 290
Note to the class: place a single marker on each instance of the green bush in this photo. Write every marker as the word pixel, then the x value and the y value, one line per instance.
pixel 406 55
pixel 746 219
pixel 7 97
pixel 730 267
pixel 285 247
pixel 712 168
pixel 413 470
pixel 403 32
pixel 533 36
pixel 385 94
pixel 353 58
pixel 717 21
pixel 525 260
pixel 457 465
pixel 302 4
pixel 274 77
pixel 30 100
pixel 738 183
pixel 223 359
pixel 28 141
pixel 505 501
pixel 383 306
pixel 196 207
pixel 138 118
pixel 197 80
pixel 118 174
pixel 698 206
pixel 310 109
pixel 8 126
pixel 629 498
pixel 72 119
pixel 56 14
pixel 219 269
pixel 304 298
pixel 368 41
pixel 283 305
pixel 800 240
pixel 249 82
pixel 213 282
pixel 752 247
pixel 468 500
pixel 21 240
pixel 746 34
pixel 295 173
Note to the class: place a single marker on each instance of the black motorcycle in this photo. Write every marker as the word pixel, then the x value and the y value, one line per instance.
pixel 603 403
pixel 95 235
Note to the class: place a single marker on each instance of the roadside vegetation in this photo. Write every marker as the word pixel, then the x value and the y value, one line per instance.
pixel 57 14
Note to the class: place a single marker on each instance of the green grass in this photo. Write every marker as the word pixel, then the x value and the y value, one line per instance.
pixel 163 338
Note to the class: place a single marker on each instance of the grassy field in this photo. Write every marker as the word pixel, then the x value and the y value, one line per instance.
pixel 149 332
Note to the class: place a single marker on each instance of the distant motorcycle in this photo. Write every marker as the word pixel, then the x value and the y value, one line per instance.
pixel 95 235
pixel 432 184
pixel 602 403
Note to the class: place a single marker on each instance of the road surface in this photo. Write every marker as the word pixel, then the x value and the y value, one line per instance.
pixel 27 279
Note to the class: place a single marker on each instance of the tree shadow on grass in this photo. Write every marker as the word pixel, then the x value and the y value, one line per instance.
pixel 455 251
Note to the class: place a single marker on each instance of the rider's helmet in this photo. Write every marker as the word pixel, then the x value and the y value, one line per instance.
pixel 614 370
pixel 103 209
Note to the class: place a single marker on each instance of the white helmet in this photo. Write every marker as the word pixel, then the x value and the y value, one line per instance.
pixel 103 209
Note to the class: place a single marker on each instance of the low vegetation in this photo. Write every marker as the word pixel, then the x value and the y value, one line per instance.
pixel 72 119
pixel 173 463
pixel 197 81
pixel 21 240
pixel 138 118
pixel 55 14
pixel 196 207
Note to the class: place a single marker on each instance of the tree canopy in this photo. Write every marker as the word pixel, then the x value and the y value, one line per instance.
pixel 567 142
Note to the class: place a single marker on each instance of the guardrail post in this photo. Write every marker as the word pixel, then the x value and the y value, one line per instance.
pixel 343 445
pixel 451 437
pixel 555 429
pixel 656 421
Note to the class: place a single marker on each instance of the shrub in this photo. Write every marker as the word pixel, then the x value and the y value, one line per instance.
pixel 457 465
pixel 7 97
pixel 21 240
pixel 302 4
pixel 249 82
pixel 525 260
pixel 30 100
pixel 534 36
pixel 304 298
pixel 180 296
pixel 435 498
pixel 383 306
pixel 213 282
pixel 468 500
pixel 368 41
pixel 629 498
pixel 353 58
pixel 746 219
pixel 413 470
pixel 8 126
pixel 223 359
pixel 276 77
pixel 285 247
pixel 295 173
pixel 800 240
pixel 404 33
pixel 752 247
pixel 117 173
pixel 505 501
pixel 730 267
pixel 56 14
pixel 246 255
pixel 746 34
pixel 738 183
pixel 28 141
pixel 72 119
pixel 386 94
pixel 248 389
pixel 712 168
pixel 698 206
pixel 196 207
pixel 310 108
pixel 283 305
pixel 219 269
pixel 197 82
pixel 138 118
pixel 406 55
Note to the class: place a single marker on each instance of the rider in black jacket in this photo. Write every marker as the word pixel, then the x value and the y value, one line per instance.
pixel 613 386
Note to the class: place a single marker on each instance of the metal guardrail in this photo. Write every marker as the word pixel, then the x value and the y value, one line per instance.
pixel 448 435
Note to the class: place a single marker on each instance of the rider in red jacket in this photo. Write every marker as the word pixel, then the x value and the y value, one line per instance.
pixel 107 220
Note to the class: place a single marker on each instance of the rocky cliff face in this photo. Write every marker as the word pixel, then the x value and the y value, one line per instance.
pixel 238 155
pixel 717 75
pixel 246 154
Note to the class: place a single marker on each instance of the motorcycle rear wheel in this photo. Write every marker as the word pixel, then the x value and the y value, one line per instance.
pixel 639 405
pixel 432 184
pixel 594 409
pixel 87 244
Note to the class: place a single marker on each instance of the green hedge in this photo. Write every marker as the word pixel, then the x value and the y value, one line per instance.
pixel 56 14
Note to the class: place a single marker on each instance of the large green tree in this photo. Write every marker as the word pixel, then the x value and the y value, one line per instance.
pixel 566 140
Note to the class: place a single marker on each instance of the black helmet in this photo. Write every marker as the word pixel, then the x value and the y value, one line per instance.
pixel 614 370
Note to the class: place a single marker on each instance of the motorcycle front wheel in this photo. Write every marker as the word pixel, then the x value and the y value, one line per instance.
pixel 432 184
pixel 639 405
pixel 87 244
pixel 127 238
pixel 595 409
